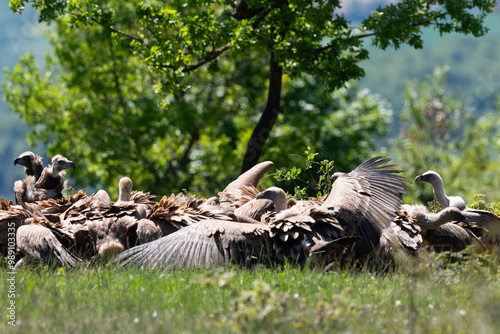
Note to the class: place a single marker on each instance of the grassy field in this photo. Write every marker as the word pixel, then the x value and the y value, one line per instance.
pixel 429 296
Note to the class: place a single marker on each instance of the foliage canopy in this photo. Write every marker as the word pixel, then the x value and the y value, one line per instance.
pixel 174 86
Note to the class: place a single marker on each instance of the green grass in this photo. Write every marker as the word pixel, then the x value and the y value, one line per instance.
pixel 425 297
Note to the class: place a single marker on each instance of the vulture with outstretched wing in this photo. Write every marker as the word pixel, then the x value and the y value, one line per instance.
pixel 364 202
pixel 365 198
pixel 302 231
pixel 209 243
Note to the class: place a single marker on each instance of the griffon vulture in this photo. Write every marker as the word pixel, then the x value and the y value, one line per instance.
pixel 448 229
pixel 364 202
pixel 482 218
pixel 303 231
pixel 435 180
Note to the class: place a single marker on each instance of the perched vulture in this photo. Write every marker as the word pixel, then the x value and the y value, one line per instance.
pixel 111 226
pixel 33 165
pixel 366 198
pixel 50 184
pixel 139 201
pixel 53 176
pixel 435 180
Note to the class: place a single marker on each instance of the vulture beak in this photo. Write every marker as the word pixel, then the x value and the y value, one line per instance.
pixel 261 195
pixel 20 161
pixel 69 164
pixel 418 178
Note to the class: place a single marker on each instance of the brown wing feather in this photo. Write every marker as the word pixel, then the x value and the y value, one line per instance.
pixel 365 200
pixel 206 244
pixel 40 243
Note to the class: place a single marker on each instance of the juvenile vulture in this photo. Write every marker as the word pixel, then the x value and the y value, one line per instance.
pixel 33 165
pixel 53 176
pixel 435 180
pixel 50 184
pixel 365 198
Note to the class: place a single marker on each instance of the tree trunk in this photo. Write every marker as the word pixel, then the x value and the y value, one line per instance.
pixel 266 122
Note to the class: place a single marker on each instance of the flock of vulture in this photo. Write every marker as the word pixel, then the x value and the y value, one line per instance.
pixel 361 221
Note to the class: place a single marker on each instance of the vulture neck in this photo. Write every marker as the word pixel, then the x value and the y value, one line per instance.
pixel 125 187
pixel 434 220
pixel 55 172
pixel 438 188
pixel 280 201
pixel 124 195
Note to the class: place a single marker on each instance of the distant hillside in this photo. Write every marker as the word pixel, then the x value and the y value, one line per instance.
pixel 474 71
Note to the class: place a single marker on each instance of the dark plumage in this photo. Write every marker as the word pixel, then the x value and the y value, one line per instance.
pixel 50 183
pixel 53 176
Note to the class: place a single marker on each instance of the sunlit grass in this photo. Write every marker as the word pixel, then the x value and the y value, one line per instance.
pixel 419 297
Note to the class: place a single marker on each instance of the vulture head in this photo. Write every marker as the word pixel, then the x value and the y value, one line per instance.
pixel 60 163
pixel 430 177
pixel 277 195
pixel 33 165
pixel 436 181
pixel 26 159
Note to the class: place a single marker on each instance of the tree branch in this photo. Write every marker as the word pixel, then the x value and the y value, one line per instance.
pixel 210 56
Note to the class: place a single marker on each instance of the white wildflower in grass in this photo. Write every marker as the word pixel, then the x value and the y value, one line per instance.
pixel 462 312
pixel 397 303
pixel 155 314
pixel 136 320
pixel 296 295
